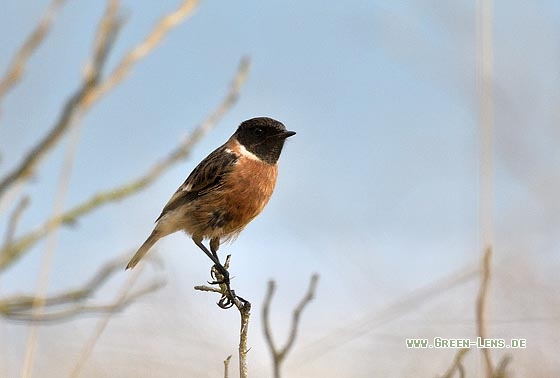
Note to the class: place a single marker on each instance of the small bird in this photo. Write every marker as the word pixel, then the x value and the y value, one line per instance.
pixel 226 191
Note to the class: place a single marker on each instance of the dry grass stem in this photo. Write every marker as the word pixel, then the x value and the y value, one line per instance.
pixel 16 68
pixel 485 77
pixel 279 354
pixel 10 253
pixel 480 309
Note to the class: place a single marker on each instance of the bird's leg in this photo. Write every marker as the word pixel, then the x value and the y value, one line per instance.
pixel 228 297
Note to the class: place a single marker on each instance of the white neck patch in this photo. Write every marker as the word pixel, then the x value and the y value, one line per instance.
pixel 248 154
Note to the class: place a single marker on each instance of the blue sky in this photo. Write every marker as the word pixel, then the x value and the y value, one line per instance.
pixel 377 192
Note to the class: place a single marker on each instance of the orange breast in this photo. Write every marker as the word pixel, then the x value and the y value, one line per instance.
pixel 226 210
pixel 247 191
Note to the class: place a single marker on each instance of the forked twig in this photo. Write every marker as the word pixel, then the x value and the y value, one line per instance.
pixel 244 308
pixel 279 354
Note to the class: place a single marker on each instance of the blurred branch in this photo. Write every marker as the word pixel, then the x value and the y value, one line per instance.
pixel 9 253
pixel 20 308
pixel 279 354
pixel 74 107
pixel 457 365
pixel 17 65
pixel 480 309
pixel 13 221
pixel 93 87
pixel 158 32
pixel 485 78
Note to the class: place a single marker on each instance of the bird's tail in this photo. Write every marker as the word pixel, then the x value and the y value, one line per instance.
pixel 152 239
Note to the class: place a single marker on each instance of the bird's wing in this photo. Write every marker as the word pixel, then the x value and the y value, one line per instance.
pixel 206 176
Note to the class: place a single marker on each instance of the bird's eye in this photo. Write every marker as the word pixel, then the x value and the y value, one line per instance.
pixel 258 131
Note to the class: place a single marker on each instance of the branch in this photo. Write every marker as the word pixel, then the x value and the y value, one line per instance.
pixel 159 31
pixel 10 253
pixel 17 65
pixel 74 107
pixel 21 308
pixel 480 309
pixel 278 355
pixel 228 298
pixel 93 88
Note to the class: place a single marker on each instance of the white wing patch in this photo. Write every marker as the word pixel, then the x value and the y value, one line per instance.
pixel 187 188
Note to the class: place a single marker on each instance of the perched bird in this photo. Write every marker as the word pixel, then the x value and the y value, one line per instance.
pixel 226 191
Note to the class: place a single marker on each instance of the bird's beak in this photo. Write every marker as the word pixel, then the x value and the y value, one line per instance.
pixel 287 134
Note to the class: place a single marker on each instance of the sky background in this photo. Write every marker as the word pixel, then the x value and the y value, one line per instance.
pixel 377 192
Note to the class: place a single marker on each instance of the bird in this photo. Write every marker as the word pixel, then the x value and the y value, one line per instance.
pixel 225 191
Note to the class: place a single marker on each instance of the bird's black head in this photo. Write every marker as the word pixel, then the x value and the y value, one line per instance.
pixel 263 137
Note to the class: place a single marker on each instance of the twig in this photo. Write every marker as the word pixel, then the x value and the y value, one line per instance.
pixel 245 313
pixel 457 364
pixel 14 220
pixel 480 309
pixel 74 107
pixel 279 354
pixel 10 253
pixel 244 308
pixel 16 69
pixel 20 308
pixel 226 366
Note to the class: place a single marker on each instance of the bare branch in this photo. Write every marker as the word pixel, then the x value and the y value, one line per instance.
pixel 74 107
pixel 93 88
pixel 70 304
pixel 278 355
pixel 159 31
pixel 480 309
pixel 244 308
pixel 10 253
pixel 16 69
pixel 14 220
